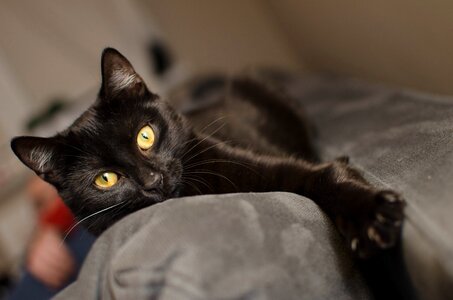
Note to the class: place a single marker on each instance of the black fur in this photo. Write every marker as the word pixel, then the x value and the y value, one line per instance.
pixel 251 139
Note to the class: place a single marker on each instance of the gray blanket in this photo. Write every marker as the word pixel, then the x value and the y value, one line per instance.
pixel 244 246
pixel 400 139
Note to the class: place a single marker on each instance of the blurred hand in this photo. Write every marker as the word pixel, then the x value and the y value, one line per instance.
pixel 50 260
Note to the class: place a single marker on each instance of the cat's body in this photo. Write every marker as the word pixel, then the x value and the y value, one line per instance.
pixel 250 139
pixel 248 112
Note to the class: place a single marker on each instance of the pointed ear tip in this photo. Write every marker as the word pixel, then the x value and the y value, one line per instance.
pixel 14 142
pixel 23 141
pixel 110 52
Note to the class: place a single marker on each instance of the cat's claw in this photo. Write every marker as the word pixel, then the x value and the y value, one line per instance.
pixel 354 244
pixel 374 236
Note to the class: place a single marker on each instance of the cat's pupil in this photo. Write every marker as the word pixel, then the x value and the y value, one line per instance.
pixel 105 177
pixel 145 135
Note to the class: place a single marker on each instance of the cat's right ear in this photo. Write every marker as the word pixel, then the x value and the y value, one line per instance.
pixel 118 76
pixel 37 153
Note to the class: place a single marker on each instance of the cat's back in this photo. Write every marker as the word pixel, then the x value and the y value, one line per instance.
pixel 251 113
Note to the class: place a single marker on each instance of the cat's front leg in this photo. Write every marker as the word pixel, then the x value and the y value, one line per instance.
pixel 370 219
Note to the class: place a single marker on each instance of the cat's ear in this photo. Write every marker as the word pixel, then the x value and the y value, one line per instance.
pixel 118 75
pixel 39 154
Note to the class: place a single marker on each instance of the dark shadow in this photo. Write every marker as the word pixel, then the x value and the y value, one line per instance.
pixel 387 276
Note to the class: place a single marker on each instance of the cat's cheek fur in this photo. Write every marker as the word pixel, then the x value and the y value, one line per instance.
pixel 173 179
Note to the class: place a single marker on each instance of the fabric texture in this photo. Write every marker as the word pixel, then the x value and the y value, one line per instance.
pixel 238 246
pixel 402 140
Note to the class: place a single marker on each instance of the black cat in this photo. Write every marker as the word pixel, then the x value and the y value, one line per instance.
pixel 130 150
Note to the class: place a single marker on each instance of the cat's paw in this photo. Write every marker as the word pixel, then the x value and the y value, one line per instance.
pixel 378 228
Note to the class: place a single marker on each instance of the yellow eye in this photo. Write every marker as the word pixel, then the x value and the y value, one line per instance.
pixel 145 138
pixel 106 180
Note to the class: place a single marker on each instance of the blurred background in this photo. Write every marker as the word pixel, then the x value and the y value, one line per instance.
pixel 50 57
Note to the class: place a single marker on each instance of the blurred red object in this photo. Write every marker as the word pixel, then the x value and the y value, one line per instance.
pixel 58 216
pixel 50 208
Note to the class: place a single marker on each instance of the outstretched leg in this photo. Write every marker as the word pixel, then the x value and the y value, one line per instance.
pixel 369 218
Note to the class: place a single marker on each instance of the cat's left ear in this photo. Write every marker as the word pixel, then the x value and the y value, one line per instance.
pixel 39 154
pixel 118 76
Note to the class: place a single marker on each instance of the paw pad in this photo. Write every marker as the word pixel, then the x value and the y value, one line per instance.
pixel 390 197
pixel 379 228
pixel 374 236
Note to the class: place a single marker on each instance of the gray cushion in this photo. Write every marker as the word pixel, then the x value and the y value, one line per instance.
pixel 243 246
pixel 402 140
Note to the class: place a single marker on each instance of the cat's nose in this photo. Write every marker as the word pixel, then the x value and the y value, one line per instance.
pixel 153 181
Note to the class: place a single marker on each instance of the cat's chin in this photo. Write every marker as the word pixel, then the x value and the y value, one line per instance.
pixel 150 199
pixel 153 196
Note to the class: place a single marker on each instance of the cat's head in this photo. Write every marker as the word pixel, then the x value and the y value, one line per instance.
pixel 124 151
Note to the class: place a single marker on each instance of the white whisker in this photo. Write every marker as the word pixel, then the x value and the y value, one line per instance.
pixel 89 216
pixel 202 140
pixel 207 149
pixel 201 171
